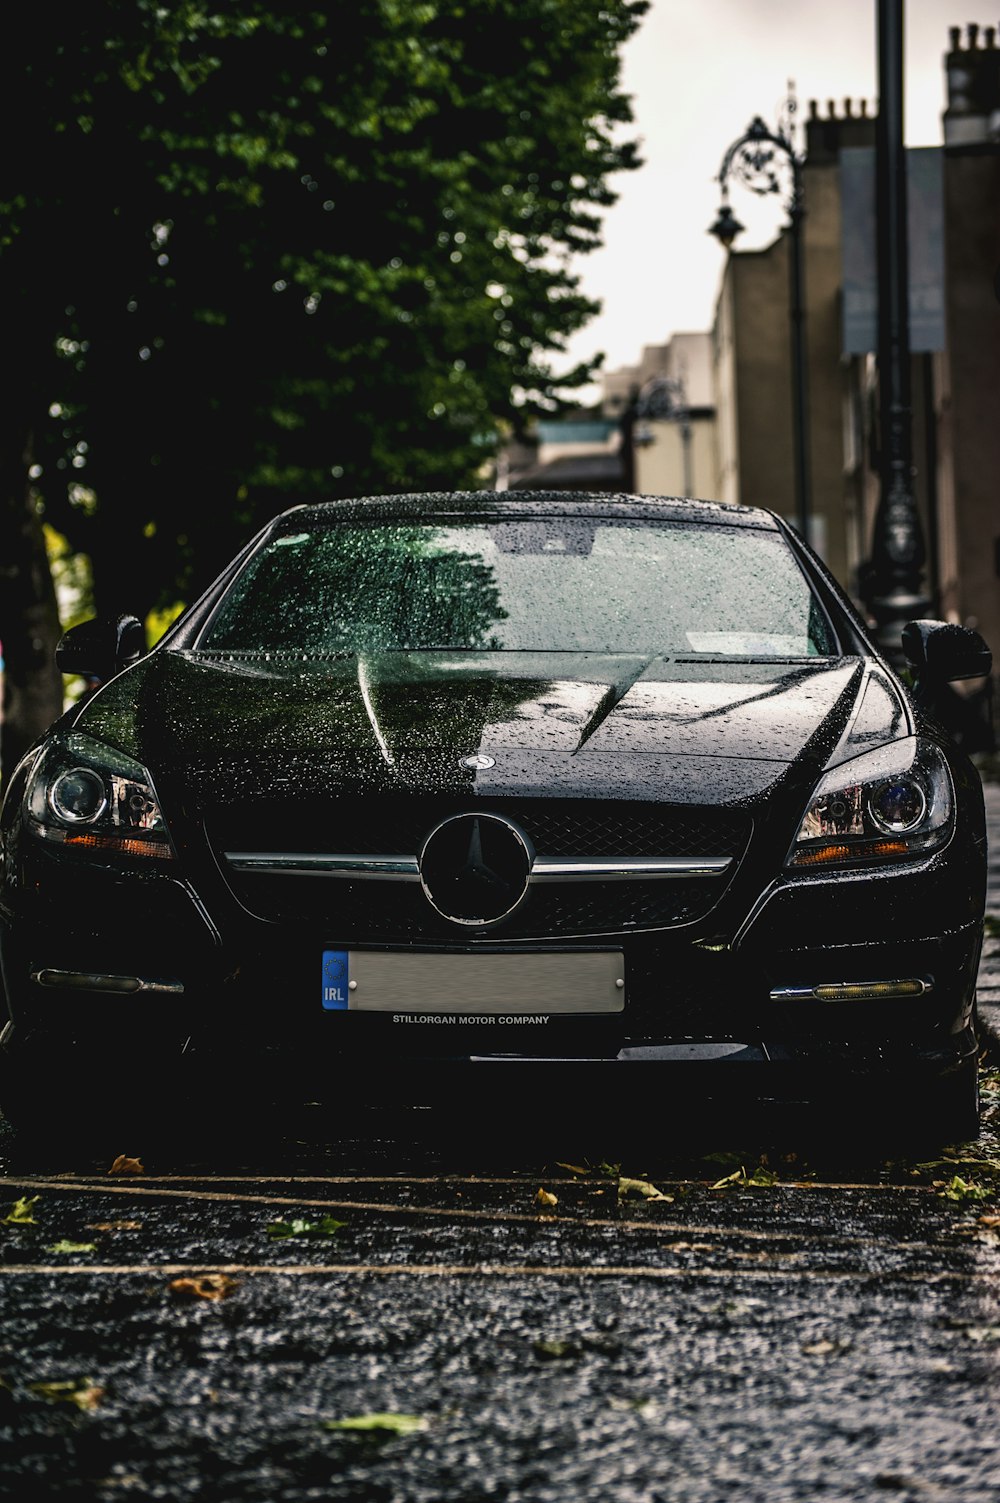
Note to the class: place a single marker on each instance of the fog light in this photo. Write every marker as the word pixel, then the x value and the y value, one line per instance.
pixel 854 991
pixel 867 991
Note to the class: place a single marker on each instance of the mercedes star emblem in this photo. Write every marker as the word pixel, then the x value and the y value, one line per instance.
pixel 478 763
pixel 474 868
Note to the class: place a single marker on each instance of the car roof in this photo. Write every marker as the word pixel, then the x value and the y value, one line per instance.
pixel 610 504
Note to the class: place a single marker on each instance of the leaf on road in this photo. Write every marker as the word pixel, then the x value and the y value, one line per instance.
pixel 545 1197
pixel 125 1165
pixel 761 1177
pixel 386 1424
pixel 825 1348
pixel 213 1286
pixel 556 1351
pixel 641 1187
pixel 572 1168
pixel 960 1190
pixel 113 1226
pixel 738 1177
pixel 65 1246
pixel 989 1221
pixel 983 1333
pixel 327 1226
pixel 83 1392
pixel 20 1212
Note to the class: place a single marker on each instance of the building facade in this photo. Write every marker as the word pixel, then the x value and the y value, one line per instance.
pixel 955 373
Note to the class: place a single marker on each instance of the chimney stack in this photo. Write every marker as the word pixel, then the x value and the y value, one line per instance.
pixel 973 77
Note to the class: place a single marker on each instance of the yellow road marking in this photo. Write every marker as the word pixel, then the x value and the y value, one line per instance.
pixel 490 1270
pixel 453 1213
pixel 580 1182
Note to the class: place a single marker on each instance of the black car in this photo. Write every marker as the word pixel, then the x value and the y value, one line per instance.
pixel 468 780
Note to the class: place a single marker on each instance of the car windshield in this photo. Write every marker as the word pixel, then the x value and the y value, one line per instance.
pixel 527 584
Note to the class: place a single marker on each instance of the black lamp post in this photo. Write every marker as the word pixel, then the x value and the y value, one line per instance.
pixel 754 159
pixel 894 594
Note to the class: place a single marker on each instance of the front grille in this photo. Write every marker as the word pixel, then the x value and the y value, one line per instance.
pixel 355 912
pixel 556 827
pixel 347 911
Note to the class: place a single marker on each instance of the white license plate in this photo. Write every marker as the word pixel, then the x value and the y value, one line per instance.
pixel 577 981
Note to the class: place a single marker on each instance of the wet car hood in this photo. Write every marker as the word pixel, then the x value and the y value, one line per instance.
pixel 399 718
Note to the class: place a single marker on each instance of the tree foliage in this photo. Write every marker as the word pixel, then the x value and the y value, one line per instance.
pixel 260 254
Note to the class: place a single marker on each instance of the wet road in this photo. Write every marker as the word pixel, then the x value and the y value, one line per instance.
pixel 800 1314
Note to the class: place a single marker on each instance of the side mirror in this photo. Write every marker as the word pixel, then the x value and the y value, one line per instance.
pixel 943 652
pixel 100 648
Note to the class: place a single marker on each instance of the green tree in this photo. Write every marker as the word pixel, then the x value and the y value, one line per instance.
pixel 264 255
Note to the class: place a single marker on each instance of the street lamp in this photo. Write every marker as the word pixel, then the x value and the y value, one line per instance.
pixel 665 397
pixel 754 160
pixel 895 591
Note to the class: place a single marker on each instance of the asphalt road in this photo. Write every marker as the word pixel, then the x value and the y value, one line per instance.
pixel 832 1329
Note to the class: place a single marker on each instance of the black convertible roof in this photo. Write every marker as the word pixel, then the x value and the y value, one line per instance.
pixel 439 504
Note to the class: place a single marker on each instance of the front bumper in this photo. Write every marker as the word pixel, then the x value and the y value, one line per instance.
pixel 699 994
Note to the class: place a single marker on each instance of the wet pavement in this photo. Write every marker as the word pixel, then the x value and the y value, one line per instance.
pixel 725 1299
pixel 743 1303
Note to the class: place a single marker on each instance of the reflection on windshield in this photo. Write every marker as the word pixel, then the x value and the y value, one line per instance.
pixel 538 585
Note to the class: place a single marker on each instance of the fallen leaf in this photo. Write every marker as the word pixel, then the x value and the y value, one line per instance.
pixel 213 1286
pixel 960 1190
pixel 989 1221
pixel 641 1187
pixel 20 1212
pixel 572 1168
pixel 983 1333
pixel 556 1351
pixel 546 1198
pixel 113 1226
pixel 824 1348
pixel 738 1177
pixel 761 1177
pixel 389 1424
pixel 83 1392
pixel 65 1246
pixel 327 1226
pixel 125 1165
pixel 733 1309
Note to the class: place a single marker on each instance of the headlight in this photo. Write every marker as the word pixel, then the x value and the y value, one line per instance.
pixel 890 804
pixel 91 797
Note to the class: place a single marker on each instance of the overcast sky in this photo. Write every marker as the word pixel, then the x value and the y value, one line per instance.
pixel 698 71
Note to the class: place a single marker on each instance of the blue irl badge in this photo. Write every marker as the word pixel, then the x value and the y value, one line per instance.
pixel 335 980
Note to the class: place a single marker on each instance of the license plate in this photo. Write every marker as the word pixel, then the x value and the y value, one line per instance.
pixel 591 981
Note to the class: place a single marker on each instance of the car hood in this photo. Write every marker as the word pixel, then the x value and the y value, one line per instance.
pixel 396 719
